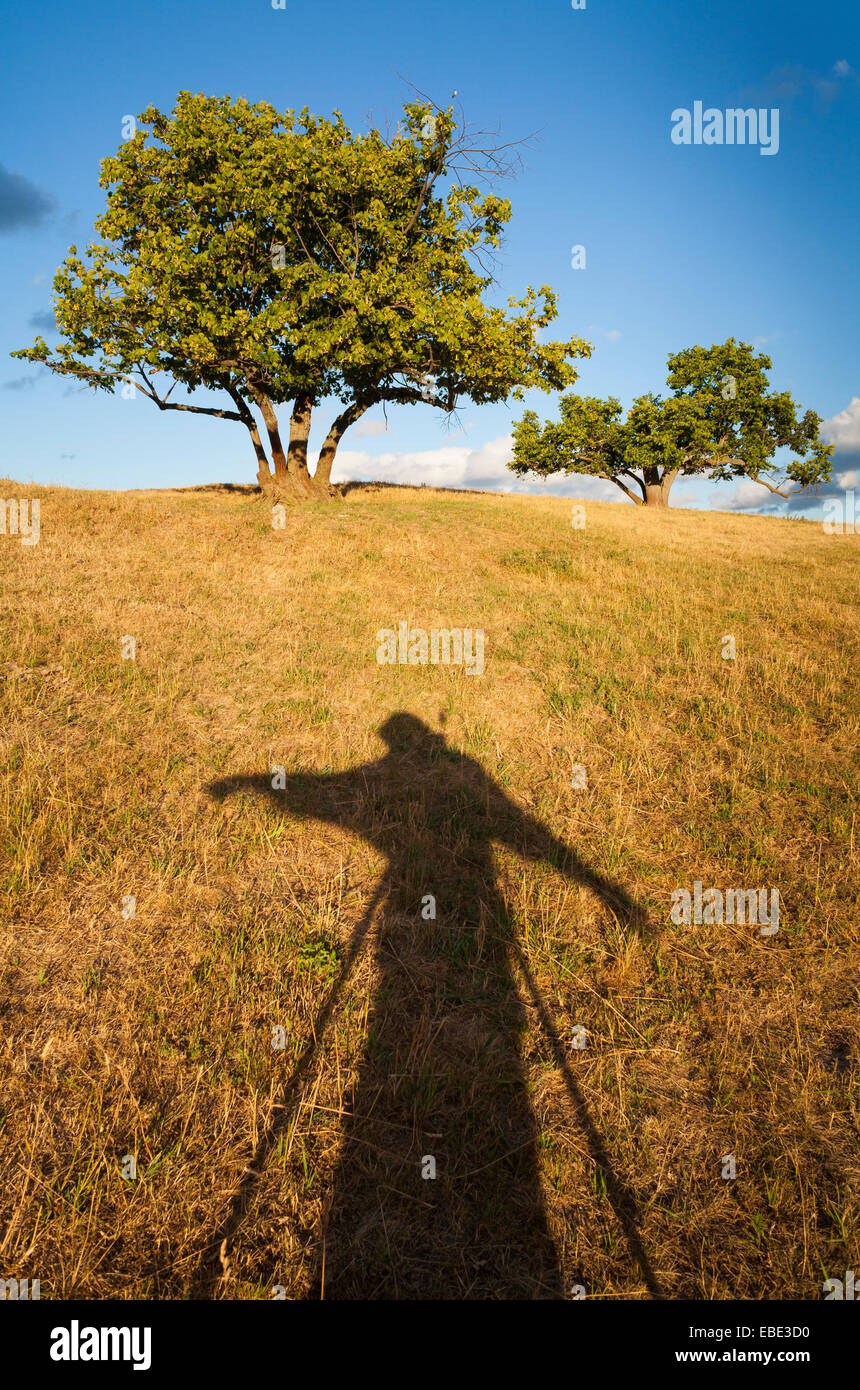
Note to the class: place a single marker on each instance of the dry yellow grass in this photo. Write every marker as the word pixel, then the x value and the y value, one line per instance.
pixel 152 1035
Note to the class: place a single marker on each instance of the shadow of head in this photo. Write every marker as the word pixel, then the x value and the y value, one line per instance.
pixel 406 734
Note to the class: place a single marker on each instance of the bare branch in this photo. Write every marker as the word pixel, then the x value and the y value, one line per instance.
pixel 770 487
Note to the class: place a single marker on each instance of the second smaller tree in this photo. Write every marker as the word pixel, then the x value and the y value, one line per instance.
pixel 721 420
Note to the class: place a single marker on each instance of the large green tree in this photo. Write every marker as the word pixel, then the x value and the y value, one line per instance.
pixel 721 420
pixel 283 260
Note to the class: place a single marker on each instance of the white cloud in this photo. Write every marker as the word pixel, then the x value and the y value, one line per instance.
pixel 365 428
pixel 746 497
pixel 450 466
pixel 844 429
pixel 786 84
pixel 613 334
pixel 456 465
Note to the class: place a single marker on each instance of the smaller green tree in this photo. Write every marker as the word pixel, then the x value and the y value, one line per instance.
pixel 721 420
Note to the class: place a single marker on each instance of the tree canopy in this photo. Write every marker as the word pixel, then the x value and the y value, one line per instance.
pixel 282 259
pixel 721 420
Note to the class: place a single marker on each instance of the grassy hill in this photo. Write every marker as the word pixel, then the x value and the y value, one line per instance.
pixel 281 1036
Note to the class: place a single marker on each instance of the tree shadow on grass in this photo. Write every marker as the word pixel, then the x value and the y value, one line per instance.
pixel 442 1075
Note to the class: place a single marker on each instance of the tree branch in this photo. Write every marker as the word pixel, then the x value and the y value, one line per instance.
pixel 770 487
pixel 149 391
pixel 637 501
pixel 429 178
pixel 407 396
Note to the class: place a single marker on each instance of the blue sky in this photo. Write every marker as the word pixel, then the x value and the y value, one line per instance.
pixel 684 244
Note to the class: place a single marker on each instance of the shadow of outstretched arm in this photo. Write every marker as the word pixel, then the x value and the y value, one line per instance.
pixel 296 794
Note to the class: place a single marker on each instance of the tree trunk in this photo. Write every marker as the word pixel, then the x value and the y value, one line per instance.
pixel 288 477
pixel 292 478
pixel 322 477
pixel 264 474
pixel 656 488
pixel 297 450
pixel 666 482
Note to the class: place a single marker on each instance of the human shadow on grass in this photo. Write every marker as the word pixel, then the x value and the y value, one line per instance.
pixel 442 1076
